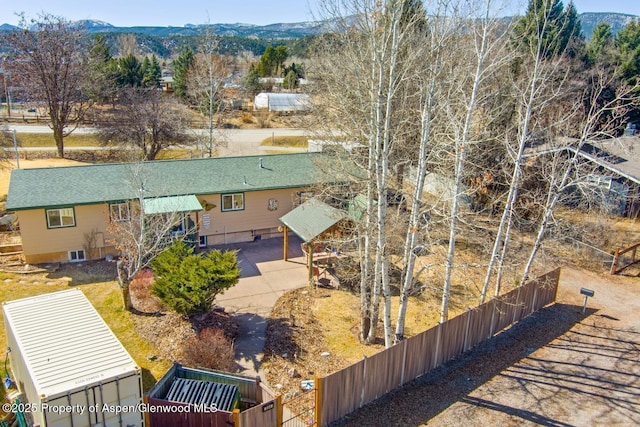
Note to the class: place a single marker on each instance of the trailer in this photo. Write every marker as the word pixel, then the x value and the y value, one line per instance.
pixel 68 364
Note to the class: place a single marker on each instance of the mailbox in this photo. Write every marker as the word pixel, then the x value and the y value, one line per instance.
pixel 587 292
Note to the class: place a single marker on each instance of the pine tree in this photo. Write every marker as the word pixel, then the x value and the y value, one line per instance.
pixel 181 66
pixel 547 20
pixel 187 282
pixel 129 72
pixel 151 72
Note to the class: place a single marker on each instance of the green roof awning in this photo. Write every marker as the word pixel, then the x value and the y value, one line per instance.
pixel 171 204
pixel 312 218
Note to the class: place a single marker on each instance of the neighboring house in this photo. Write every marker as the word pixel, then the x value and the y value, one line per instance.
pixel 615 178
pixel 231 199
pixel 283 102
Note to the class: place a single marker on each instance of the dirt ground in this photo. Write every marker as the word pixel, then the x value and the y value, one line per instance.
pixel 559 367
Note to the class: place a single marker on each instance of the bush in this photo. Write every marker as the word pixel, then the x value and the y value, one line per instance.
pixel 247 118
pixel 189 283
pixel 210 349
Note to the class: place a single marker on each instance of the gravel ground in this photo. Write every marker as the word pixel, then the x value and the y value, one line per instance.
pixel 559 367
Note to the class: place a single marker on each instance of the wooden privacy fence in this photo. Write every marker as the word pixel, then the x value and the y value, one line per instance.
pixel 351 388
pixel 624 258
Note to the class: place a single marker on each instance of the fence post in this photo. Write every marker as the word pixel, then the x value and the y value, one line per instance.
pixel 466 331
pixel 614 264
pixel 318 386
pixel 404 360
pixel 235 417
pixel 259 398
pixel 516 305
pixel 279 409
pixel 364 381
pixel 493 316
pixel 438 340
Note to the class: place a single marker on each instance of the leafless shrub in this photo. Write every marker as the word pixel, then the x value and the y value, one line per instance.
pixel 209 349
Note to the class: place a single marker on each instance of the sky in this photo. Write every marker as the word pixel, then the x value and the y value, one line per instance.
pixel 129 13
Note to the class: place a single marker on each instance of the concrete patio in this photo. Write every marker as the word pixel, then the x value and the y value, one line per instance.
pixel 264 278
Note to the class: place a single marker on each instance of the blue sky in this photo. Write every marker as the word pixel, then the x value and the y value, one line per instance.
pixel 179 13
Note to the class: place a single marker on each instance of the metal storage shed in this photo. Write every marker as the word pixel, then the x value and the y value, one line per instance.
pixel 284 102
pixel 63 354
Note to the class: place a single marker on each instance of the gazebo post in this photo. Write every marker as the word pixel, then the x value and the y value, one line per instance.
pixel 286 243
pixel 310 259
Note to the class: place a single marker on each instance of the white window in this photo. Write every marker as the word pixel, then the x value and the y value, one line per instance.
pixel 58 218
pixel 119 212
pixel 77 256
pixel 202 241
pixel 232 202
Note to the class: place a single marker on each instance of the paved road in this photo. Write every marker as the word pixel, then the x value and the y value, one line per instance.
pixel 233 142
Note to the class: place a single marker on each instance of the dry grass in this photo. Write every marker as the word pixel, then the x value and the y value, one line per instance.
pixel 46 140
pixel 286 141
pixel 105 297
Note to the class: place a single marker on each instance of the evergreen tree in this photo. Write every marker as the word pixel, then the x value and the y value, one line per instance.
pixel 290 80
pixel 280 54
pixel 101 71
pixel 549 21
pixel 129 72
pixel 151 72
pixel 252 81
pixel 601 44
pixel 181 67
pixel 266 64
pixel 188 283
pixel 628 43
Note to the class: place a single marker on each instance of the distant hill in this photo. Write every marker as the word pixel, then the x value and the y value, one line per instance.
pixel 166 41
pixel 617 21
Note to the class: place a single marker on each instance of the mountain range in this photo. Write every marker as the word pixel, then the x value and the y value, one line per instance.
pixel 295 30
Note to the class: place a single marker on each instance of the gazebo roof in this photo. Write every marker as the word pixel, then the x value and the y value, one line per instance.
pixel 312 218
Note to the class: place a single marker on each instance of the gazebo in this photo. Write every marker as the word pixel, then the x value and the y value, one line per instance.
pixel 310 221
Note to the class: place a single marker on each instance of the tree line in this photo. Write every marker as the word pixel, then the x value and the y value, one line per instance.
pixel 52 65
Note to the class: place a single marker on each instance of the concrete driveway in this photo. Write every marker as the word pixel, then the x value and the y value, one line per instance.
pixel 264 278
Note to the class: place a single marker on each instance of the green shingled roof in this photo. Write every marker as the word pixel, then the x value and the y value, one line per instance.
pixel 81 185
pixel 312 218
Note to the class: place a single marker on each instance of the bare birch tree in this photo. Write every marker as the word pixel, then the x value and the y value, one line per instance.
pixel 206 87
pixel 544 75
pixel 139 237
pixel 366 88
pixel 600 119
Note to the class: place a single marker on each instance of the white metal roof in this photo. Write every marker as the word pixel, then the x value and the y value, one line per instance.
pixel 64 342
pixel 283 101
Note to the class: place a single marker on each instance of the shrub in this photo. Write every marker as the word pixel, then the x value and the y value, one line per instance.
pixel 210 349
pixel 247 118
pixel 187 282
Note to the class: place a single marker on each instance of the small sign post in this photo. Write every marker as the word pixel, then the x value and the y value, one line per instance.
pixel 587 293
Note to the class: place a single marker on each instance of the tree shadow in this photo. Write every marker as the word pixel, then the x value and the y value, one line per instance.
pixel 281 338
pixel 250 341
pixel 82 273
pixel 424 398
pixel 148 380
pixel 250 254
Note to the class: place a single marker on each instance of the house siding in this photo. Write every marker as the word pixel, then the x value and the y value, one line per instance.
pixel 244 225
pixel 41 244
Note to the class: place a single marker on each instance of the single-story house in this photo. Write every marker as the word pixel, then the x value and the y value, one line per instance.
pixel 283 102
pixel 229 199
pixel 615 177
